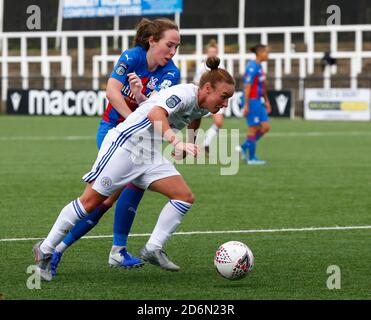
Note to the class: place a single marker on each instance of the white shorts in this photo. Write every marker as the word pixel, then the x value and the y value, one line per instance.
pixel 115 167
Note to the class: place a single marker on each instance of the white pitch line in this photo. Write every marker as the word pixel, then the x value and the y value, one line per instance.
pixel 319 134
pixel 308 229
pixel 313 134
pixel 47 138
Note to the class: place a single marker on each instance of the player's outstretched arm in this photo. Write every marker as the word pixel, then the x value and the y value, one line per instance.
pixel 158 116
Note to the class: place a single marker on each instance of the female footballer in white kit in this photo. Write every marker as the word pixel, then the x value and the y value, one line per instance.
pixel 131 152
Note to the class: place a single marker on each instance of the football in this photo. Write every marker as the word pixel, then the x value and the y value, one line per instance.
pixel 234 260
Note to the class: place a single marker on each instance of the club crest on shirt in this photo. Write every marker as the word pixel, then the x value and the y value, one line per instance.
pixel 165 84
pixel 121 69
pixel 106 182
pixel 173 101
pixel 152 83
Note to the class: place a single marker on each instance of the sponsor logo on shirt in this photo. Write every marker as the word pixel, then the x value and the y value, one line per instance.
pixel 127 92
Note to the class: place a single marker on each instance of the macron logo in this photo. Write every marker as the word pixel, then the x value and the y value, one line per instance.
pixel 127 57
pixel 16 99
pixel 281 101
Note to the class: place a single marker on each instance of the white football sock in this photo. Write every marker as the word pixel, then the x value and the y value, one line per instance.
pixel 69 216
pixel 211 133
pixel 117 249
pixel 170 218
pixel 61 247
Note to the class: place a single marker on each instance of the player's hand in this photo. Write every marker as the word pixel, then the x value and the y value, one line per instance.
pixel 268 107
pixel 181 149
pixel 245 110
pixel 135 83
pixel 178 155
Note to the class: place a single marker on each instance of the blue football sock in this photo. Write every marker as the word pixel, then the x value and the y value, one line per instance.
pixel 245 145
pixel 259 134
pixel 251 146
pixel 85 225
pixel 125 211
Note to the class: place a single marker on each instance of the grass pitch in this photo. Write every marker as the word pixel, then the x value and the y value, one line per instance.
pixel 318 175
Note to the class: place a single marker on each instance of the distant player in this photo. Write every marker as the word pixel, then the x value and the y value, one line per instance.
pixel 139 72
pixel 218 118
pixel 138 139
pixel 255 111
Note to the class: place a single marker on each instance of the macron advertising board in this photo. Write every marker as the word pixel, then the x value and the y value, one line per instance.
pixel 36 102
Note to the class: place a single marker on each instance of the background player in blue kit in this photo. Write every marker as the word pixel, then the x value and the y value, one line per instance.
pixel 140 71
pixel 255 111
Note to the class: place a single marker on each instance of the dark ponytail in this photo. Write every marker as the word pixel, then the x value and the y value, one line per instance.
pixel 257 48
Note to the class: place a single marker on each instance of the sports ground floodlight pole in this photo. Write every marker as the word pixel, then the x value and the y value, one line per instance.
pixel 59 23
pixel 241 35
pixel 177 18
pixel 116 27
pixel 241 14
pixel 306 19
pixel 1 19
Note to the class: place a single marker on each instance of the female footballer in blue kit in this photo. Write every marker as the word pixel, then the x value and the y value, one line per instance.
pixel 140 71
pixel 254 110
pixel 122 159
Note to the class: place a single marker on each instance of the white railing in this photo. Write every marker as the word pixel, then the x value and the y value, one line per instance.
pixel 100 62
pixel 65 62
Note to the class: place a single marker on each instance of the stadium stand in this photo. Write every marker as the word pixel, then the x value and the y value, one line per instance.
pixel 293 64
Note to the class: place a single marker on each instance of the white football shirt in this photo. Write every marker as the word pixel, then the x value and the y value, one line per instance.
pixel 137 132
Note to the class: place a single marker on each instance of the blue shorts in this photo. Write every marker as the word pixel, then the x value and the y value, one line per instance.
pixel 257 113
pixel 104 127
